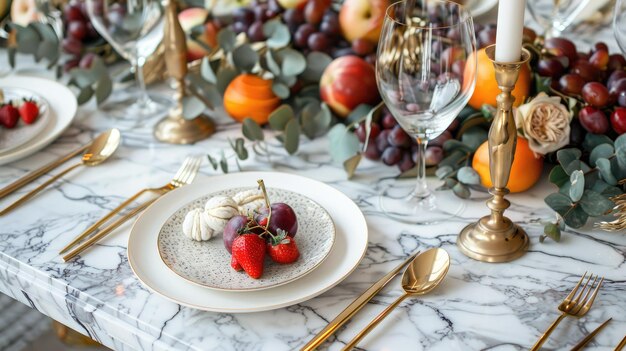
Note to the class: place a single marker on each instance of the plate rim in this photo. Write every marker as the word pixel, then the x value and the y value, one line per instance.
pixel 57 127
pixel 330 249
pixel 329 285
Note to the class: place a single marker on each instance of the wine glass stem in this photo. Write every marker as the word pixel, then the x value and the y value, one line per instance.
pixel 421 189
pixel 144 99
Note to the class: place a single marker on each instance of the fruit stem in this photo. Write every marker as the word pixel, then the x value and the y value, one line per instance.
pixel 267 203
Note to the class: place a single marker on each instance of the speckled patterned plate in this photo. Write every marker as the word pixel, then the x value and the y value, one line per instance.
pixel 207 263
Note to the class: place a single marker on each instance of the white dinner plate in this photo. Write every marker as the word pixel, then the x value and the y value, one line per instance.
pixel 348 250
pixel 22 133
pixel 63 106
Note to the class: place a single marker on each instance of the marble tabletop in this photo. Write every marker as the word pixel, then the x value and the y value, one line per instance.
pixel 479 306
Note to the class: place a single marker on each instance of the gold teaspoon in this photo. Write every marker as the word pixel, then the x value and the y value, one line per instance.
pixel 99 151
pixel 422 275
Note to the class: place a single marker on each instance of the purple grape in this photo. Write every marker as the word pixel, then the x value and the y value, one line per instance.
pixel 406 163
pixel 434 155
pixel 371 152
pixel 399 138
pixel 283 217
pixel 392 156
pixel 244 15
pixel 382 140
pixel 232 229
pixel 255 32
pixel 441 139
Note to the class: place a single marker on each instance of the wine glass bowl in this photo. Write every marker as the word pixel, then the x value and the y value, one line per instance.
pixel 619 24
pixel 554 16
pixel 425 80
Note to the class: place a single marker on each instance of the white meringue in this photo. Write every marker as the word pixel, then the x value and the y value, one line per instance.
pixel 249 201
pixel 196 225
pixel 222 207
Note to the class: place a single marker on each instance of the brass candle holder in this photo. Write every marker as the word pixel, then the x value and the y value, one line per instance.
pixel 495 238
pixel 175 128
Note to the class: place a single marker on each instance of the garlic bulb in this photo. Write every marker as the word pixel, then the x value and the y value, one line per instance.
pixel 220 209
pixel 249 201
pixel 196 225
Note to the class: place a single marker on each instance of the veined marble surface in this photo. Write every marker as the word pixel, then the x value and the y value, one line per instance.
pixel 479 306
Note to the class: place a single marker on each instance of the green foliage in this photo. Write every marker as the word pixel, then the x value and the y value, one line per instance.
pixel 94 81
pixel 37 39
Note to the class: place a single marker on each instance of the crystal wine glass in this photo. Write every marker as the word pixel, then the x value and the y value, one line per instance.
pixel 556 15
pixel 425 80
pixel 134 29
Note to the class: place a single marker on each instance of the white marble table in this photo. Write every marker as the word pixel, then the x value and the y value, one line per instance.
pixel 479 306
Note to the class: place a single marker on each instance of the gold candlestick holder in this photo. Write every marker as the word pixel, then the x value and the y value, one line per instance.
pixel 175 128
pixel 495 238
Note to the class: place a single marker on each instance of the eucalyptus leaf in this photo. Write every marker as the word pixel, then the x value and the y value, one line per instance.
pixel 604 166
pixel 280 116
pixel 456 145
pixel 252 130
pixel 558 202
pixel 207 71
pixel 240 149
pixel 552 231
pixel 226 39
pixel 292 62
pixel 351 164
pixel 213 162
pixel 28 40
pixel 593 140
pixel 104 87
pixel 443 171
pixel 224 163
pixel 84 95
pixel 277 34
pixel 620 151
pixel 595 204
pixel 576 165
pixel 577 186
pixel 474 137
pixel 83 78
pixel 245 58
pixel 368 122
pixel 292 136
pixel 343 143
pixel 315 124
pixel 558 176
pixel 461 191
pixel 467 175
pixel 225 75
pixel 270 63
pixel 287 80
pixel 453 158
pixel 280 90
pixel 12 53
pixel 576 217
pixel 316 63
pixel 566 156
pixel 358 113
pixel 47 49
pixel 601 151
pixel 192 107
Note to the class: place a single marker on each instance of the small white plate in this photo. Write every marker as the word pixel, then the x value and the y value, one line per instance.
pixel 63 106
pixel 207 263
pixel 348 250
pixel 11 139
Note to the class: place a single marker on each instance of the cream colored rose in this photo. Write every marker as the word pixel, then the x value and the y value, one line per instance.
pixel 545 123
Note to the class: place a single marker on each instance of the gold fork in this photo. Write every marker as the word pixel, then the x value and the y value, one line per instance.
pixel 574 306
pixel 185 175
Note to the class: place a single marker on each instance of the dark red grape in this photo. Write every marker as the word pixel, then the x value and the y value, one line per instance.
pixel 330 23
pixel 319 42
pixel 486 37
pixel 584 56
pixel 399 138
pixel 561 47
pixel 392 156
pixel 72 12
pixel 283 217
pixel 72 46
pixel 453 33
pixel 339 52
pixel 434 155
pixel 595 94
pixel 388 121
pixel 600 59
pixel 244 15
pixel 441 139
pixel 240 27
pixel 77 30
pixel 381 140
pixel 618 120
pixel 593 120
pixel 255 32
pixel 293 17
pixel 600 46
pixel 92 33
pixel 458 67
pixel 571 84
pixel 614 77
pixel 274 7
pixel 260 13
pixel 621 99
pixel 616 88
pixel 232 229
pixel 406 163
pixel 361 132
pixel 362 46
pixel 577 133
pixel 314 10
pixel 550 67
pixel 616 62
pixel 302 35
pixel 586 71
pixel 371 152
pixel 454 125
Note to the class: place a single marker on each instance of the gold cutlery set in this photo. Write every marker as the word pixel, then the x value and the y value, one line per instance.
pixel 95 153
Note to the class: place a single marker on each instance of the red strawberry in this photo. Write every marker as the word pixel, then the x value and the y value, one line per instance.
pixel 249 252
pixel 283 248
pixel 29 111
pixel 9 116
pixel 236 266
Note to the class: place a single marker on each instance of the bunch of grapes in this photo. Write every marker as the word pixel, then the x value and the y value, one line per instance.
pixel 250 19
pixel 79 34
pixel 391 144
pixel 596 78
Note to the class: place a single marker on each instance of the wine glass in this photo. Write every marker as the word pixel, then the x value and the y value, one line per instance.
pixel 619 24
pixel 134 29
pixel 556 15
pixel 425 80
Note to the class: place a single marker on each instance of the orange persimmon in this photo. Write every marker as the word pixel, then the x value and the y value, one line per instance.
pixel 250 96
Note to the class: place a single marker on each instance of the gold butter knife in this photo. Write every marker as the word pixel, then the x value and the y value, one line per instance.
pixel 355 306
pixel 591 335
pixel 621 344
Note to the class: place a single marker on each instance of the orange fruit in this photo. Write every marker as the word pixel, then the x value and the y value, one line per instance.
pixel 487 89
pixel 250 96
pixel 525 172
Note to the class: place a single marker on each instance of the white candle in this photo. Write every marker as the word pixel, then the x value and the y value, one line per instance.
pixel 510 30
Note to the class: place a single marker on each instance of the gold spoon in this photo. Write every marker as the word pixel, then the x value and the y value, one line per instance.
pixel 422 275
pixel 99 151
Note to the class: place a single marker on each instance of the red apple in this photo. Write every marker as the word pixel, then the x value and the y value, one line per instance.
pixel 348 82
pixel 362 19
pixel 23 12
pixel 193 17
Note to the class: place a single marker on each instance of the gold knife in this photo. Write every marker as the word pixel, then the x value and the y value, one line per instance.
pixel 621 344
pixel 588 338
pixel 355 306
pixel 42 170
